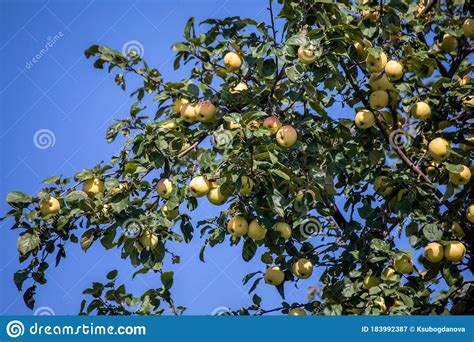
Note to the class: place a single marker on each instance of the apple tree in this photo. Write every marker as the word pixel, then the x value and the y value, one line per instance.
pixel 381 204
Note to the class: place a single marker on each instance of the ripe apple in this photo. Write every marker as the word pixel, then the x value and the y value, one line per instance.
pixel 376 63
pixel 237 226
pixel 215 195
pixel 247 185
pixel 306 56
pixel 380 82
pixel 381 186
pixel 403 265
pixel 361 49
pixel 379 99
pixel 51 206
pixel 457 230
pixel 462 177
pixel 178 104
pixel 297 312
pixel 388 274
pixel 274 276
pixel 454 251
pixel 449 43
pixel 272 123
pixel 170 214
pixel 364 119
pixel 149 239
pixel 205 111
pixel 286 136
pixel 371 281
pixel 468 27
pixel 93 186
pixel 380 302
pixel 465 80
pixel 164 188
pixel 232 61
pixel 394 70
pixel 256 231
pixel 188 113
pixel 439 149
pixel 199 186
pixel 242 86
pixel 470 213
pixel 434 252
pixel 302 269
pixel 284 229
pixel 421 110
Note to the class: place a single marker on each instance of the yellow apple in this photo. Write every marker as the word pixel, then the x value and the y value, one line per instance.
pixel 188 113
pixel 468 27
pixel 256 231
pixel 164 187
pixel 237 226
pixel 272 123
pixel 169 213
pixel 247 185
pixel 380 82
pixel 284 229
pixel 381 186
pixel 421 110
pixel 297 312
pixel 51 206
pixel 93 186
pixel 199 186
pixel 462 177
pixel 242 86
pixel 380 302
pixel 215 195
pixel 306 56
pixel 470 213
pixel 457 230
pixel 465 80
pixel 371 281
pixel 149 239
pixel 379 99
pixel 388 273
pixel 439 149
pixel 364 119
pixel 376 63
pixel 233 125
pixel 403 265
pixel 394 70
pixel 232 61
pixel 178 104
pixel 274 276
pixel 286 136
pixel 361 49
pixel 434 252
pixel 449 43
pixel 454 251
pixel 205 111
pixel 302 269
pixel 468 101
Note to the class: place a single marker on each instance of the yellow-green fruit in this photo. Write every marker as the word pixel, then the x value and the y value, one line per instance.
pixel 465 80
pixel 297 312
pixel 432 169
pixel 454 251
pixel 205 111
pixel 164 188
pixel 470 213
pixel 215 195
pixel 380 302
pixel 388 273
pixel 256 231
pixel 188 113
pixel 434 252
pixel 462 177
pixel 272 123
pixel 364 119
pixel 302 269
pixel 380 82
pixel 449 43
pixel 421 110
pixel 361 49
pixel 468 27
pixel 376 64
pixel 178 104
pixel 457 230
pixel 169 213
pixel 439 149
pixel 274 276
pixel 246 185
pixel 468 101
pixel 286 136
pixel 199 186
pixel 284 229
pixel 242 86
pixel 149 239
pixel 93 186
pixel 378 99
pixel 381 186
pixel 51 206
pixel 237 226
pixel 371 281
pixel 394 70
pixel 232 61
pixel 306 56
pixel 403 265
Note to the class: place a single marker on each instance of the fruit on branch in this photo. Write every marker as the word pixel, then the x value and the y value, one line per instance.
pixel 205 111
pixel 467 147
pixel 403 264
pixel 394 70
pixel 274 276
pixel 242 86
pixel 468 101
pixel 256 231
pixel 388 274
pixel 465 80
pixel 454 251
pixel 50 206
pixel 232 61
pixel 170 214
pixel 434 252
pixel 297 312
pixel 246 185
pixel 432 169
pixel 376 63
pixel 302 269
pixel 380 82
pixel 306 55
pixel 93 186
pixel 199 186
pixel 233 125
pixel 253 125
pixel 178 104
pixel 237 226
pixel 457 230
pixel 148 239
pixel 380 303
pixel 188 113
pixel 462 177
pixel 215 195
pixel 284 229
pixel 470 213
pixel 164 187
pixel 371 281
pixel 439 149
pixel 361 49
pixel 449 43
pixel 468 27
pixel 382 186
pixel 286 136
pixel 364 119
pixel 378 99
pixel 421 110
pixel 272 123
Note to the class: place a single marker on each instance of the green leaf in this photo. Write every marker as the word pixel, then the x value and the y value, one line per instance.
pixel 167 279
pixel 19 277
pixel 27 242
pixel 112 274
pixel 451 274
pixel 75 196
pixel 18 197
pixel 432 232
pixel 454 168
pixel 248 250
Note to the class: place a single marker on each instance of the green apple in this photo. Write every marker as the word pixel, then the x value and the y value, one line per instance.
pixel 371 281
pixel 284 229
pixel 302 269
pixel 376 63
pixel 394 70
pixel 286 136
pixel 50 206
pixel 378 99
pixel 449 43
pixel 462 177
pixel 421 110
pixel 434 252
pixel 256 231
pixel 246 185
pixel 164 188
pixel 364 119
pixel 205 111
pixel 274 276
pixel 403 264
pixel 439 149
pixel 237 226
pixel 232 61
pixel 306 56
pixel 199 186
pixel 454 251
